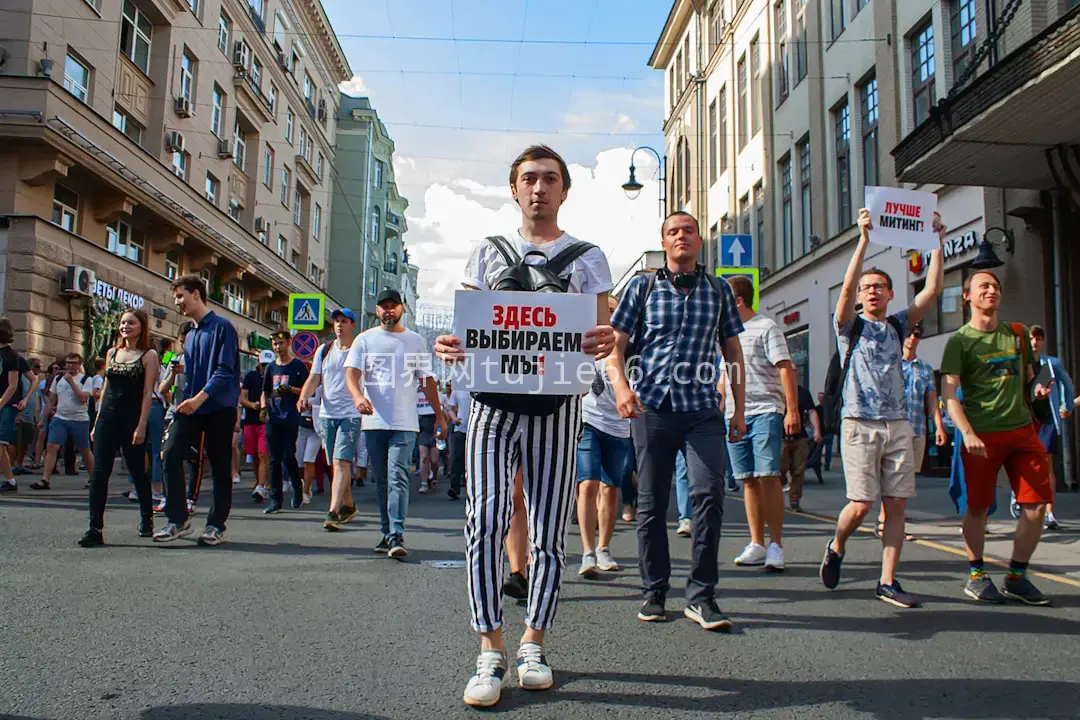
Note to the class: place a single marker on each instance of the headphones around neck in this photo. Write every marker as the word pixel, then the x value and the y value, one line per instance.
pixel 682 280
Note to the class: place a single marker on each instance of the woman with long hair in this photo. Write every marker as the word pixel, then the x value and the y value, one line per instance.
pixel 131 369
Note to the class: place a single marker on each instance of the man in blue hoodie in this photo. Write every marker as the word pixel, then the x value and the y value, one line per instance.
pixel 1061 394
pixel 212 370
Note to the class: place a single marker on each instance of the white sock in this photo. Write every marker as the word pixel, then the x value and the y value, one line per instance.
pixel 1050 516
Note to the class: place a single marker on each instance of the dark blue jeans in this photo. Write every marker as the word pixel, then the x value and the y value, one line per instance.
pixel 388 462
pixel 658 436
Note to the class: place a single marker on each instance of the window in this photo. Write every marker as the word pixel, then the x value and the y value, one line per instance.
pixel 295 259
pixel 76 78
pixel 800 42
pixel 319 166
pixel 740 102
pixel 65 208
pixel 716 25
pixel 687 77
pixel 256 8
pixel 298 208
pixel 785 210
pixel 288 124
pixel 373 282
pixel 172 264
pixel 126 241
pixel 271 97
pixel 376 225
pixel 671 86
pixel 96 4
pixel 234 296
pixel 951 312
pixel 127 125
pixel 187 75
pixel 224 31
pixel 923 95
pixel 282 245
pixel 194 5
pixel 759 210
pixel 316 221
pixel 860 4
pixel 962 24
pixel 217 112
pixel 712 142
pixel 678 171
pixel 798 342
pixel 275 318
pixel 842 141
pixel 755 86
pixel 837 16
pixel 268 167
pixel 280 28
pixel 256 73
pixel 180 164
pixel 782 80
pixel 135 33
pixel 309 88
pixel 264 237
pixel 721 111
pixel 378 173
pixel 805 194
pixel 686 170
pixel 744 215
pixel 869 102
pixel 286 177
pixel 240 151
pixel 680 79
pixel 213 188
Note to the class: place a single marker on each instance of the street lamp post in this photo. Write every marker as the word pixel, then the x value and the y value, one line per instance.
pixel 632 187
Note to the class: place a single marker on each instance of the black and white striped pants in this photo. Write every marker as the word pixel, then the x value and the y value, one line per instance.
pixel 545 450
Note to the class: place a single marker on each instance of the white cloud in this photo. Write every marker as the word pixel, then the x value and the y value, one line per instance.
pixel 355 87
pixel 455 216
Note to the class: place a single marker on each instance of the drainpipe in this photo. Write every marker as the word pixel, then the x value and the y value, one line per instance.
pixel 701 210
pixel 364 224
pixel 1061 324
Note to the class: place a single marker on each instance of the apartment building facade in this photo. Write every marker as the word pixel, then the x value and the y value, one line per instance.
pixel 368 224
pixel 145 139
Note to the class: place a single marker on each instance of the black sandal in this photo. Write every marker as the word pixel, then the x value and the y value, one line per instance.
pixel 40 485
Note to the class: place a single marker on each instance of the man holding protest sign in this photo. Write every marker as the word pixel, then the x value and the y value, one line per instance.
pixel 877 441
pixel 677 320
pixel 536 433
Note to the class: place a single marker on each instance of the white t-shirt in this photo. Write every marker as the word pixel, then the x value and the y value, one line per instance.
pixel 68 406
pixel 600 410
pixel 99 383
pixel 337 403
pixel 461 401
pixel 423 407
pixel 392 364
pixel 313 410
pixel 588 274
pixel 763 346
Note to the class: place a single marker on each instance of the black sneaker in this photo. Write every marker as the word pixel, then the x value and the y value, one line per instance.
pixel 8 487
pixel 652 610
pixel 708 615
pixel 347 513
pixel 982 589
pixel 453 494
pixel 92 538
pixel 796 507
pixel 297 495
pixel 830 567
pixel 257 497
pixel 1022 590
pixel 146 528
pixel 895 595
pixel 332 521
pixel 384 545
pixel 516 586
pixel 275 507
pixel 397 547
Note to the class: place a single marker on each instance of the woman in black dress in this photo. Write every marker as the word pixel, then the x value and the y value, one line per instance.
pixel 120 426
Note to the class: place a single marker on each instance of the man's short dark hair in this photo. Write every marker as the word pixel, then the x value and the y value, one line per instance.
pixel 7 331
pixel 73 356
pixel 742 287
pixel 878 271
pixel 678 213
pixel 1038 331
pixel 192 283
pixel 540 152
pixel 282 334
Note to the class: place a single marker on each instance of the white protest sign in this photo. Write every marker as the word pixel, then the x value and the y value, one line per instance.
pixel 524 342
pixel 902 218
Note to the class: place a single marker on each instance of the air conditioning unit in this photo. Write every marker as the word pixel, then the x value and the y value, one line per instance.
pixel 283 61
pixel 174 141
pixel 183 107
pixel 322 109
pixel 78 281
pixel 261 225
pixel 239 55
pixel 225 149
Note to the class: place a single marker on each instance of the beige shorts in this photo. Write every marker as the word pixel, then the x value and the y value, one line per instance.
pixel 878 459
pixel 918 447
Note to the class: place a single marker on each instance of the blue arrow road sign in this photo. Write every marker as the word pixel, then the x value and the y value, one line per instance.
pixel 737 251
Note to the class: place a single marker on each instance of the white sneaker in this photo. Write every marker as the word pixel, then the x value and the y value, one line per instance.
pixel 753 555
pixel 534 673
pixel 684 528
pixel 423 487
pixel 286 487
pixel 774 558
pixel 604 561
pixel 588 566
pixel 236 479
pixel 307 498
pixel 485 686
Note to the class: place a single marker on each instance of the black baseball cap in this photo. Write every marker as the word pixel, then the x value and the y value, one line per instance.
pixel 389 295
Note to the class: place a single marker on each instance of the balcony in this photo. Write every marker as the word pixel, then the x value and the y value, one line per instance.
pixel 394 220
pixel 391 265
pixel 304 164
pixel 252 97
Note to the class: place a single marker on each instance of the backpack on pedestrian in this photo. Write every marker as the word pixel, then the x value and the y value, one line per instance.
pixel 833 403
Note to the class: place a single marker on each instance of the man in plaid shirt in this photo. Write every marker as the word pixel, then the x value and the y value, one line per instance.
pixel 678 319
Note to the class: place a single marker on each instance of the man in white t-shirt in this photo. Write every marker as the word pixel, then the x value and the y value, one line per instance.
pixel 391 362
pixel 772 411
pixel 425 442
pixel 339 420
pixel 458 403
pixel 69 395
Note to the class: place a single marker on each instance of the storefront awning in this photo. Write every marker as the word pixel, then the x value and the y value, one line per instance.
pixel 1015 126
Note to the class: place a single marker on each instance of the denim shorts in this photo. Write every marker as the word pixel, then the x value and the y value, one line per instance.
pixel 758 454
pixel 340 437
pixel 8 415
pixel 77 430
pixel 604 457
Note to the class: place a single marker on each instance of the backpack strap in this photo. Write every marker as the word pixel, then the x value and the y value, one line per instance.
pixel 853 337
pixel 325 351
pixel 510 255
pixel 1018 331
pixel 568 255
pixel 895 322
pixel 640 324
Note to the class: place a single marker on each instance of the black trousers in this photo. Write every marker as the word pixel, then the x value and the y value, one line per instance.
pixel 458 450
pixel 217 427
pixel 110 437
pixel 281 440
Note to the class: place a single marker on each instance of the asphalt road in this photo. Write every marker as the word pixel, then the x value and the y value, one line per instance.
pixel 287 621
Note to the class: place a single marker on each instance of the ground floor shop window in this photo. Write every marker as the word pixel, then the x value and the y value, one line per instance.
pixel 799 346
pixel 951 313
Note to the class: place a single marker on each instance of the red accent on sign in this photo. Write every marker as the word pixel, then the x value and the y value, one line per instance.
pixel 304 345
pixel 792 317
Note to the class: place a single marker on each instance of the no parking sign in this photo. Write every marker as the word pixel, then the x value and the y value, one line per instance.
pixel 304 345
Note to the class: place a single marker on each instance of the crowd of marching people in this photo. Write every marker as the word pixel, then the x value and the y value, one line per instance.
pixel 368 407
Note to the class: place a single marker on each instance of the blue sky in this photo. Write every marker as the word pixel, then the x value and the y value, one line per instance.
pixel 585 98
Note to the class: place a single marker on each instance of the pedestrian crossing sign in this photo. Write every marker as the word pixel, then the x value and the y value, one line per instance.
pixel 750 272
pixel 307 311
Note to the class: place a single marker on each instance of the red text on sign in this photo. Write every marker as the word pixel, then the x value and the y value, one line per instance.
pixel 513 317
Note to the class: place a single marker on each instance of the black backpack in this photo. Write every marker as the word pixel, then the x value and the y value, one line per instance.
pixel 522 276
pixel 832 405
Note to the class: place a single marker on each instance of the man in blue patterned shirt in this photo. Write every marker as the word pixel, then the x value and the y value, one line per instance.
pixel 677 320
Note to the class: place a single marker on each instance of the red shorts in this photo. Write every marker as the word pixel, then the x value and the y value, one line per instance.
pixel 255 440
pixel 1024 458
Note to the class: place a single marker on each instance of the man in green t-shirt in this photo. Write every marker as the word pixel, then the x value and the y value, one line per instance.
pixel 991 362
